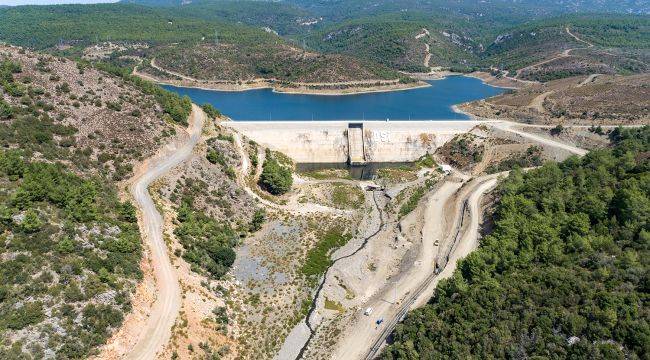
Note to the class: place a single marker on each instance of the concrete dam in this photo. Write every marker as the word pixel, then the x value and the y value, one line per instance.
pixel 354 142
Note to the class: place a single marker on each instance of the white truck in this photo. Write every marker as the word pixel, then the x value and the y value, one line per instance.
pixel 368 311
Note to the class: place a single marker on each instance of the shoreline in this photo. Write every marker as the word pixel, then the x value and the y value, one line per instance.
pixel 456 108
pixel 491 80
pixel 353 89
pixel 395 85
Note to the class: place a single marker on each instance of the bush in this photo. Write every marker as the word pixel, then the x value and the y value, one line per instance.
pixel 207 243
pixel 211 110
pixel 318 257
pixel 275 178
pixel 5 110
pixel 557 130
pixel 258 220
pixel 215 157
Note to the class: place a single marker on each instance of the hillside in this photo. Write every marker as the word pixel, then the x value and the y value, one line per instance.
pixel 224 61
pixel 281 17
pixel 179 40
pixel 586 100
pixel 398 42
pixel 497 11
pixel 71 250
pixel 541 50
pixel 574 45
pixel 563 272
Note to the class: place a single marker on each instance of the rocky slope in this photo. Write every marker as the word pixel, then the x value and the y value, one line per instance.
pixel 71 250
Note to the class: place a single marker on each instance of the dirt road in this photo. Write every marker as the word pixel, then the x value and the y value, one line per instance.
pixel 157 330
pixel 563 54
pixel 511 127
pixel 588 80
pixel 538 102
pixel 365 338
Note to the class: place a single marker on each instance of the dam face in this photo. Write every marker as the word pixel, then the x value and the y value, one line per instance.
pixel 354 142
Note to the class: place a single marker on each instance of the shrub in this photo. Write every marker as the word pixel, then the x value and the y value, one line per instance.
pixel 318 257
pixel 215 157
pixel 275 178
pixel 211 110
pixel 557 130
pixel 5 110
pixel 258 219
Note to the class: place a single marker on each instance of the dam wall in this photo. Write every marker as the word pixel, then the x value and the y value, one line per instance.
pixel 328 141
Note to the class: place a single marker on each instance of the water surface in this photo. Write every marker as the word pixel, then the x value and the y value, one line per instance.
pixel 428 103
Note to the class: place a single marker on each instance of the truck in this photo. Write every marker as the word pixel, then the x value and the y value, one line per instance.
pixel 368 311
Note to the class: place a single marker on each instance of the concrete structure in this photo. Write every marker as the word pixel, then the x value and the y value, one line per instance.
pixel 338 142
pixel 356 151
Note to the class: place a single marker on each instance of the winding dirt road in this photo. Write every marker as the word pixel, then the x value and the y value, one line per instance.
pixel 157 329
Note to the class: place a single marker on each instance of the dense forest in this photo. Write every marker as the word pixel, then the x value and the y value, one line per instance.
pixel 563 274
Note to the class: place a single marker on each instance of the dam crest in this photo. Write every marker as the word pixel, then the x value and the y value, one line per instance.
pixel 355 142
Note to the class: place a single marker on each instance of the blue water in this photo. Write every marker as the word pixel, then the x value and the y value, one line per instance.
pixel 428 103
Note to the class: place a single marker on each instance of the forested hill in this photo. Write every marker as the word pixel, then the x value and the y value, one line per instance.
pixel 186 41
pixel 464 44
pixel 565 272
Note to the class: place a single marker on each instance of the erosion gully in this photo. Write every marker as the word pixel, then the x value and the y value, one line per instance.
pixel 312 308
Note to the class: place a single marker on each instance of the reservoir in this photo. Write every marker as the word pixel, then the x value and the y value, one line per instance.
pixel 427 103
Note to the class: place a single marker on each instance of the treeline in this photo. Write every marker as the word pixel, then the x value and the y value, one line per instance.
pixel 564 273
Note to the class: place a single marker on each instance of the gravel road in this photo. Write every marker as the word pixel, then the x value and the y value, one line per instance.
pixel 157 329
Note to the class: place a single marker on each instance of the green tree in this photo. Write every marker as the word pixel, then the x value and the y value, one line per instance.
pixel 31 222
pixel 275 178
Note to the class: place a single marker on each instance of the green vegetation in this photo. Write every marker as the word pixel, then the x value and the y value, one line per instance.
pixel 259 217
pixel 526 44
pixel 207 244
pixel 414 198
pixel 68 244
pixel 390 40
pixel 42 27
pixel 531 157
pixel 318 258
pixel 276 176
pixel 346 196
pixel 211 111
pixel 178 108
pixel 463 151
pixel 426 161
pixel 333 305
pixel 563 274
pixel 368 41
